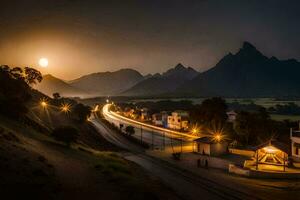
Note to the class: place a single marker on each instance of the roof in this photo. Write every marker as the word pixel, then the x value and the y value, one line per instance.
pixel 207 140
pixel 279 145
pixel 231 112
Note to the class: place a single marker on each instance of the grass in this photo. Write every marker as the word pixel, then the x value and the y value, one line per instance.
pixel 284 117
pixel 41 162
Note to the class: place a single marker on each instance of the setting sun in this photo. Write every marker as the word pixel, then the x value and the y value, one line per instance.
pixel 43 62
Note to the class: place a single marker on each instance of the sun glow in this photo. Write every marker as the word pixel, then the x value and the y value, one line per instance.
pixel 43 62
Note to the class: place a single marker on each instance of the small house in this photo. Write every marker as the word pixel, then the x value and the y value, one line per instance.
pixel 210 146
pixel 160 119
pixel 178 120
pixel 295 145
pixel 231 116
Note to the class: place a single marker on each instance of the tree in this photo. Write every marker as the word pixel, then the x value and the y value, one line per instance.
pixel 56 95
pixel 130 130
pixel 66 134
pixel 210 110
pixel 32 76
pixel 14 92
pixel 81 112
pixel 254 128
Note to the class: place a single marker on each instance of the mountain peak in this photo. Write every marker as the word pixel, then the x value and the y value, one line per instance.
pixel 248 45
pixel 248 53
pixel 179 66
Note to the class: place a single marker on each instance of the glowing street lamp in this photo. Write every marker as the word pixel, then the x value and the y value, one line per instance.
pixel 194 130
pixel 218 137
pixel 270 149
pixel 44 104
pixel 65 108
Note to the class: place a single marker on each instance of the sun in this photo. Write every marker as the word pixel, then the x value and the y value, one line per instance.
pixel 43 62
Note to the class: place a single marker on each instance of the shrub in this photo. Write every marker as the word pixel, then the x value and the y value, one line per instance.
pixel 81 112
pixel 66 134
pixel 130 130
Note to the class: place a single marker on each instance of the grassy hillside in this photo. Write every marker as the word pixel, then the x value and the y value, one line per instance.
pixel 33 164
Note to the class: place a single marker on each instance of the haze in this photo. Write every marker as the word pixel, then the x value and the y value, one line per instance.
pixel 81 37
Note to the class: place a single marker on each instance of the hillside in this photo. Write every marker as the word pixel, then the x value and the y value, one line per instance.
pixel 160 84
pixel 107 83
pixel 51 84
pixel 47 152
pixel 248 73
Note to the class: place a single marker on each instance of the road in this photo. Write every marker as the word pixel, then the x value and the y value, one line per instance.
pixel 157 137
pixel 186 184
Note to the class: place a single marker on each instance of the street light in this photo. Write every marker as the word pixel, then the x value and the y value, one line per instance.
pixel 65 108
pixel 44 104
pixel 218 137
pixel 194 130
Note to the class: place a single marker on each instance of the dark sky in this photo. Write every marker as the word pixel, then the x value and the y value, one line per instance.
pixel 84 36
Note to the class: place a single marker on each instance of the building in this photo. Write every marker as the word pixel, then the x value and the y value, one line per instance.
pixel 145 114
pixel 157 119
pixel 231 116
pixel 295 145
pixel 160 119
pixel 269 156
pixel 178 120
pixel 210 146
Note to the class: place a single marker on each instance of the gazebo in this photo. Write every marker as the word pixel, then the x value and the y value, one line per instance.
pixel 271 155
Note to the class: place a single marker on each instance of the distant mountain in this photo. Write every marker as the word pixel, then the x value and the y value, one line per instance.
pixel 162 83
pixel 51 84
pixel 248 73
pixel 108 83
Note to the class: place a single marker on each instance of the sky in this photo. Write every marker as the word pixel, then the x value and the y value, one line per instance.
pixel 84 36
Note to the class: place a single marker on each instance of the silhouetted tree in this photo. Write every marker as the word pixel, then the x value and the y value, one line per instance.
pixel 81 112
pixel 210 110
pixel 56 95
pixel 14 92
pixel 129 130
pixel 32 76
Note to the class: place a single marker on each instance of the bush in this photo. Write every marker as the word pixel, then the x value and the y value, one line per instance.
pixel 66 134
pixel 81 112
pixel 130 130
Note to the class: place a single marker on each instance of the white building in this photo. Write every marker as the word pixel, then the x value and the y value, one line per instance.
pixel 160 119
pixel 231 116
pixel 295 145
pixel 145 114
pixel 178 120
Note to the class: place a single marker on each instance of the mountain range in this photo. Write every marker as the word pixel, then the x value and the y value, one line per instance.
pixel 247 73
pixel 160 84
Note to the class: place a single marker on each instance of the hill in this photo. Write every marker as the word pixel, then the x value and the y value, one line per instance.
pixel 248 73
pixel 51 84
pixel 164 83
pixel 36 165
pixel 107 83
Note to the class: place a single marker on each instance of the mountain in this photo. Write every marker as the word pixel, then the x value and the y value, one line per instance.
pixel 108 83
pixel 51 84
pixel 248 73
pixel 162 83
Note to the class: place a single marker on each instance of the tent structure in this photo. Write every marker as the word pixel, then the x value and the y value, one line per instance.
pixel 271 153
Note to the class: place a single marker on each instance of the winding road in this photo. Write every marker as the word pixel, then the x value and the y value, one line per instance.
pixel 186 184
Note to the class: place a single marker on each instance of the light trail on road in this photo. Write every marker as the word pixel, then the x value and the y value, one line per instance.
pixel 157 137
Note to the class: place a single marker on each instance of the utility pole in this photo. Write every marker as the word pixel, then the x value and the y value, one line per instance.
pixel 181 144
pixel 141 134
pixel 152 140
pixel 164 142
pixel 257 159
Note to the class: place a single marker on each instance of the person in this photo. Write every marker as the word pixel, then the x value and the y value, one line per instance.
pixel 206 163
